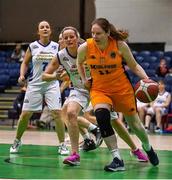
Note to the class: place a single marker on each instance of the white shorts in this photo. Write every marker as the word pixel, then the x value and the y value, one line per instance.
pixel 35 95
pixel 151 111
pixel 113 114
pixel 80 97
pixel 141 104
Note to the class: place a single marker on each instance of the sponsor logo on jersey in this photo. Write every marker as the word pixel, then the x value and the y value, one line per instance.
pixel 44 56
pixel 35 47
pixel 65 59
pixel 45 52
pixel 26 101
pixel 93 57
pixel 54 47
pixel 111 66
pixel 73 68
pixel 112 54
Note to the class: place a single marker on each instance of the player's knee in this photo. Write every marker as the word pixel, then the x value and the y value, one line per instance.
pixel 103 120
pixel 72 115
pixel 158 110
pixel 55 114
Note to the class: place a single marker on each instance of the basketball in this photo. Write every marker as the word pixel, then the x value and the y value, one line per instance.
pixel 146 90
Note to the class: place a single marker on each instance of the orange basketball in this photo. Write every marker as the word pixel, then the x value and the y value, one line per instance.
pixel 146 90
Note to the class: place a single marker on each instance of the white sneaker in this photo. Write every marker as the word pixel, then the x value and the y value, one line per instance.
pixel 16 146
pixel 157 130
pixel 63 150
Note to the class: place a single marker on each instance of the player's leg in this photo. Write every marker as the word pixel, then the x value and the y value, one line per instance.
pixel 149 115
pixel 102 113
pixel 53 100
pixel 73 109
pixel 83 122
pixel 123 133
pixel 32 102
pixel 137 127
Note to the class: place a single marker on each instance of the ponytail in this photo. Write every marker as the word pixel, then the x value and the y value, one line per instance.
pixel 118 34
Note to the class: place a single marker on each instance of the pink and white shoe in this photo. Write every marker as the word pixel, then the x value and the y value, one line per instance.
pixel 73 160
pixel 139 155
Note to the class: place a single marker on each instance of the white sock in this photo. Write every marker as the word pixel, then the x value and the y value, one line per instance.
pixel 115 153
pixel 91 127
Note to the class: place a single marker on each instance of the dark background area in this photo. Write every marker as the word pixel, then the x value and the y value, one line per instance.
pixel 19 18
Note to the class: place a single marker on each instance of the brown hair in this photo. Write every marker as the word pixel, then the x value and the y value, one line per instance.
pixel 161 81
pixel 76 33
pixel 71 28
pixel 107 27
pixel 48 24
pixel 41 22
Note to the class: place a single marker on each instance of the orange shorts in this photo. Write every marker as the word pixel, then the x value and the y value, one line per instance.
pixel 125 103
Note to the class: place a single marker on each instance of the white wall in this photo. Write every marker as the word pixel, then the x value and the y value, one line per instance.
pixel 146 20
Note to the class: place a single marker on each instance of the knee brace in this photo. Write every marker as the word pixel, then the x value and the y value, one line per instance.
pixel 103 120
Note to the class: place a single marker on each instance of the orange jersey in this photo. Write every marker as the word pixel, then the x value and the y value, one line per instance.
pixel 106 67
pixel 110 85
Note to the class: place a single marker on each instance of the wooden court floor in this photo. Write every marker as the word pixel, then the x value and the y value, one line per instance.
pixel 38 159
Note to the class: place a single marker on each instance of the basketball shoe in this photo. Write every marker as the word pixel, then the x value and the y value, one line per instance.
pixel 153 158
pixel 63 150
pixel 115 165
pixel 73 160
pixel 16 146
pixel 139 155
pixel 88 145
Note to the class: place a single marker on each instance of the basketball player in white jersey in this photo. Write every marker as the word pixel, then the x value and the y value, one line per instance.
pixel 79 96
pixel 39 54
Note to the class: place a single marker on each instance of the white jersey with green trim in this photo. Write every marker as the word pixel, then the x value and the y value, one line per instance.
pixel 69 63
pixel 41 56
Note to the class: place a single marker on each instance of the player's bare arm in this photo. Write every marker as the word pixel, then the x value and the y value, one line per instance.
pixel 24 67
pixel 81 57
pixel 131 62
pixel 49 73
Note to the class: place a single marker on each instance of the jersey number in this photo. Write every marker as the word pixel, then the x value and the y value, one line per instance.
pixel 44 65
pixel 104 72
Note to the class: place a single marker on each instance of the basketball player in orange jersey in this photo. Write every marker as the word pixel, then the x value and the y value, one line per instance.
pixel 110 87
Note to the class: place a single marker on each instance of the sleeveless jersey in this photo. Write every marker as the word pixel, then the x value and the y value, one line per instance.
pixel 161 99
pixel 106 68
pixel 69 63
pixel 41 56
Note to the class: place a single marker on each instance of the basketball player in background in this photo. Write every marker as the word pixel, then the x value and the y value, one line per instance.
pixel 110 87
pixel 61 42
pixel 159 107
pixel 40 53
